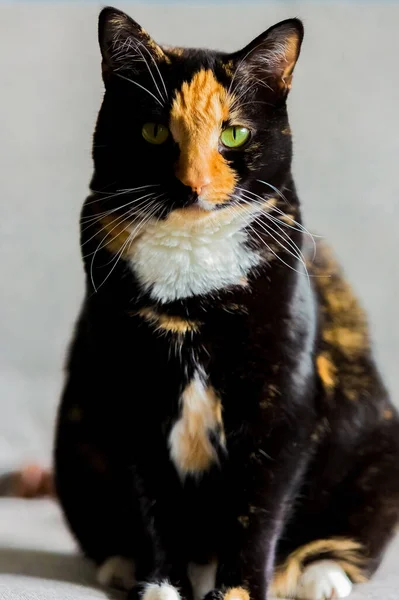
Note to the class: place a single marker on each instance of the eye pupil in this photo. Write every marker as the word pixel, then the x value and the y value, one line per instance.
pixel 234 133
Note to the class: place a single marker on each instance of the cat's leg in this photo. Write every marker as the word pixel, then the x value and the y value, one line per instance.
pixel 355 527
pixel 168 578
pixel 102 514
pixel 98 499
pixel 98 517
pixel 130 544
pixel 263 478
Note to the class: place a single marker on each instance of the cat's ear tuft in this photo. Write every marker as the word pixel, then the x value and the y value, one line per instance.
pixel 272 56
pixel 123 42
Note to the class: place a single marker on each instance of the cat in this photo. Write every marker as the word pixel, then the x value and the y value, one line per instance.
pixel 223 432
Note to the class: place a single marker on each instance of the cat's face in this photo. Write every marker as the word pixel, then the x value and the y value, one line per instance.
pixel 192 130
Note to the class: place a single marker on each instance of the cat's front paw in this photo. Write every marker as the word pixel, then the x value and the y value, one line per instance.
pixel 118 572
pixel 323 580
pixel 162 590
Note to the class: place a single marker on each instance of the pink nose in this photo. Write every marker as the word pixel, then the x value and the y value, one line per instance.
pixel 196 181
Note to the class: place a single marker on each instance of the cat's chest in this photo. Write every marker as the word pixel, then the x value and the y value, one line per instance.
pixel 198 430
pixel 173 259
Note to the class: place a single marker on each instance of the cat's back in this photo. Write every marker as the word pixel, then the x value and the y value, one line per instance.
pixel 344 359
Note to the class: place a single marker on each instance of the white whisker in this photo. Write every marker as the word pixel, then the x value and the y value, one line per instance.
pixel 300 226
pixel 140 86
pixel 274 253
pixel 276 190
pixel 118 193
pixel 298 253
pixel 141 187
pixel 124 245
pixel 277 241
pixel 118 220
pixel 157 68
pixel 127 216
pixel 115 209
pixel 144 199
pixel 247 89
pixel 149 70
pixel 242 62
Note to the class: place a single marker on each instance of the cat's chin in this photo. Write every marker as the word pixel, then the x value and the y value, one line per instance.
pixel 205 204
pixel 191 214
pixel 201 210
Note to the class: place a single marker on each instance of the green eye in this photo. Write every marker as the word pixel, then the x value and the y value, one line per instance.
pixel 154 133
pixel 234 136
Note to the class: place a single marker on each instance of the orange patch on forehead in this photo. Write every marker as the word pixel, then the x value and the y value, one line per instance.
pixel 198 111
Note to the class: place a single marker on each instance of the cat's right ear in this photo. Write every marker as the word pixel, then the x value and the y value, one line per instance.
pixel 272 56
pixel 123 43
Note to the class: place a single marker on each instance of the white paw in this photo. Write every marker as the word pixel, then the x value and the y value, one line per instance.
pixel 324 580
pixel 118 572
pixel 160 591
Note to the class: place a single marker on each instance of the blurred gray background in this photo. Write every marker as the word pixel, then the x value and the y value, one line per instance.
pixel 344 114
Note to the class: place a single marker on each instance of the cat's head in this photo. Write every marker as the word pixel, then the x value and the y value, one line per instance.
pixel 188 127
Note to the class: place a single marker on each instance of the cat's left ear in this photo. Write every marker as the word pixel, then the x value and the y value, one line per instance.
pixel 124 43
pixel 272 56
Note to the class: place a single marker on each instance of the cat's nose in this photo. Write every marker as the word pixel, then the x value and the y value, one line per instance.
pixel 196 181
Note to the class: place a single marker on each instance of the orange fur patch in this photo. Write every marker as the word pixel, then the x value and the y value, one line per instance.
pixel 290 58
pixel 191 449
pixel 237 593
pixel 168 323
pixel 228 68
pixel 352 342
pixel 326 370
pixel 345 552
pixel 344 330
pixel 196 118
pixel 189 215
pixel 113 235
pixel 193 216
pixel 346 327
pixel 388 414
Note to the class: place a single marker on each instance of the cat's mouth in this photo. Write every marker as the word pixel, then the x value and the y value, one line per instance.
pixel 190 214
pixel 199 209
pixel 205 205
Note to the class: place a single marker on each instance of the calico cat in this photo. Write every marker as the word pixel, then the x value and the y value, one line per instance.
pixel 223 431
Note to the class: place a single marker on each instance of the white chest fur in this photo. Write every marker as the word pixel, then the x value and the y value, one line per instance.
pixel 182 257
